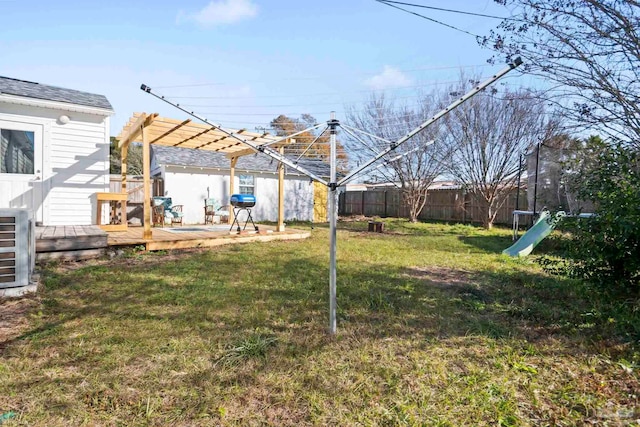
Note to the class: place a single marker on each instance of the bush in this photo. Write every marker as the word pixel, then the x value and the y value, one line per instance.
pixel 605 249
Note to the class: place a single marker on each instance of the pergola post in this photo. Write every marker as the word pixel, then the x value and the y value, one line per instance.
pixel 232 178
pixel 146 174
pixel 123 188
pixel 281 193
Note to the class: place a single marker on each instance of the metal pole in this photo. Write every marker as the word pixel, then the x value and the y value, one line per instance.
pixel 333 220
pixel 516 216
pixel 535 184
pixel 519 176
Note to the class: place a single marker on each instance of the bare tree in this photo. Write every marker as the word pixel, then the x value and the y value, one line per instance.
pixel 485 137
pixel 308 144
pixel 589 50
pixel 414 168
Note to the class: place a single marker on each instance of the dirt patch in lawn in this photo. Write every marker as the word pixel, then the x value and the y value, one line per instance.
pixel 444 278
pixel 14 317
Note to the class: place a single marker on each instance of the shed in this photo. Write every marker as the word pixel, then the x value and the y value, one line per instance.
pixel 54 151
pixel 191 176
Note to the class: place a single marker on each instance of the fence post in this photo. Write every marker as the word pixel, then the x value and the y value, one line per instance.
pixel 362 204
pixel 464 206
pixel 385 203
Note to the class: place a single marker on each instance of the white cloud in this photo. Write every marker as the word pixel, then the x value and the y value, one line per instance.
pixel 221 12
pixel 389 78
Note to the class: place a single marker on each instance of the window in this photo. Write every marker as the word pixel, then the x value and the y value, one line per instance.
pixel 17 151
pixel 247 185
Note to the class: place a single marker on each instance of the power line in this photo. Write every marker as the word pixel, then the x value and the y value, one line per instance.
pixel 302 95
pixel 462 12
pixel 428 19
pixel 448 67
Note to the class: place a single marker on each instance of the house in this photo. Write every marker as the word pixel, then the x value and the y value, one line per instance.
pixel 54 151
pixel 191 176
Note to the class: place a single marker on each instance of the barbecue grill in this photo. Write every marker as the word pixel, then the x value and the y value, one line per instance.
pixel 243 202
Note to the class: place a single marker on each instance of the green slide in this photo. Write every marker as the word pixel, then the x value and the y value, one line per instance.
pixel 529 240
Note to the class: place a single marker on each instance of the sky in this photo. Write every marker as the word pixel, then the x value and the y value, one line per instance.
pixel 240 63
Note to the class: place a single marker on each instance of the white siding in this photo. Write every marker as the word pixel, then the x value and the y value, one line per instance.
pixel 188 187
pixel 79 168
pixel 75 162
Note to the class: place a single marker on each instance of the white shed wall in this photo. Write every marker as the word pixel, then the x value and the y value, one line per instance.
pixel 188 187
pixel 75 163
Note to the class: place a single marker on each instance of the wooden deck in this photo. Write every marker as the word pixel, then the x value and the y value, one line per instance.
pixel 198 236
pixel 70 242
pixel 76 242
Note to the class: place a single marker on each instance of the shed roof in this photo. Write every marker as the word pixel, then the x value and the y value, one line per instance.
pixel 176 156
pixel 27 89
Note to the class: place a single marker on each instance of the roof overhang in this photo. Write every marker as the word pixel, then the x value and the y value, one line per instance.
pixel 288 171
pixel 188 134
pixel 54 105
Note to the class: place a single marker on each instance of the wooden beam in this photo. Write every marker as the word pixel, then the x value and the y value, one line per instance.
pixel 280 227
pixel 195 136
pixel 146 166
pixel 135 129
pixel 223 138
pixel 132 132
pixel 170 131
pixel 227 147
pixel 240 153
pixel 232 178
pixel 123 189
pixel 247 151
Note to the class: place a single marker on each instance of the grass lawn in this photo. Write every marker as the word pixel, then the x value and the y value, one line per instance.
pixel 434 328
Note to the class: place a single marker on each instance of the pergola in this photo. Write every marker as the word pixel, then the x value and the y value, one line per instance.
pixel 150 129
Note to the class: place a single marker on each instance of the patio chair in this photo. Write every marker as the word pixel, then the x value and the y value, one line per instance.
pixel 165 212
pixel 176 214
pixel 213 209
pixel 158 215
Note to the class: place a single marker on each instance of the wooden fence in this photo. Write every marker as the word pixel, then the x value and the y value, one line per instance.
pixel 135 188
pixel 135 191
pixel 442 205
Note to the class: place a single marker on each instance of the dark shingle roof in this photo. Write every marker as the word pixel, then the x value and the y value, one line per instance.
pixel 210 159
pixel 27 89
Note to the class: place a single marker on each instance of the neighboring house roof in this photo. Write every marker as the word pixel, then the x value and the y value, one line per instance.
pixel 175 156
pixel 9 86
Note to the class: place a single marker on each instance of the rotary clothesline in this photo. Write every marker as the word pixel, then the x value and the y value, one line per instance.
pixel 304 162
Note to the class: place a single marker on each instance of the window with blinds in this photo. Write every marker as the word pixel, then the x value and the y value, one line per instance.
pixel 17 149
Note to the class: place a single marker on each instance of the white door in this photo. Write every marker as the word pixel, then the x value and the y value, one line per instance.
pixel 21 183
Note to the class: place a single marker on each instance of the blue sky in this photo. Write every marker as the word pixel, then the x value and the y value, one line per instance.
pixel 249 59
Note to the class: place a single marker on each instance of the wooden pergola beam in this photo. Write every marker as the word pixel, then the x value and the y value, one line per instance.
pixel 248 151
pixel 146 173
pixel 220 140
pixel 135 129
pixel 170 131
pixel 197 135
pixel 240 153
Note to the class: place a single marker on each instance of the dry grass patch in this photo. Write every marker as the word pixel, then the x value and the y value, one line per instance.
pixel 14 317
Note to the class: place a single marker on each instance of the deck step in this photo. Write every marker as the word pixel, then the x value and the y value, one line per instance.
pixel 70 242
